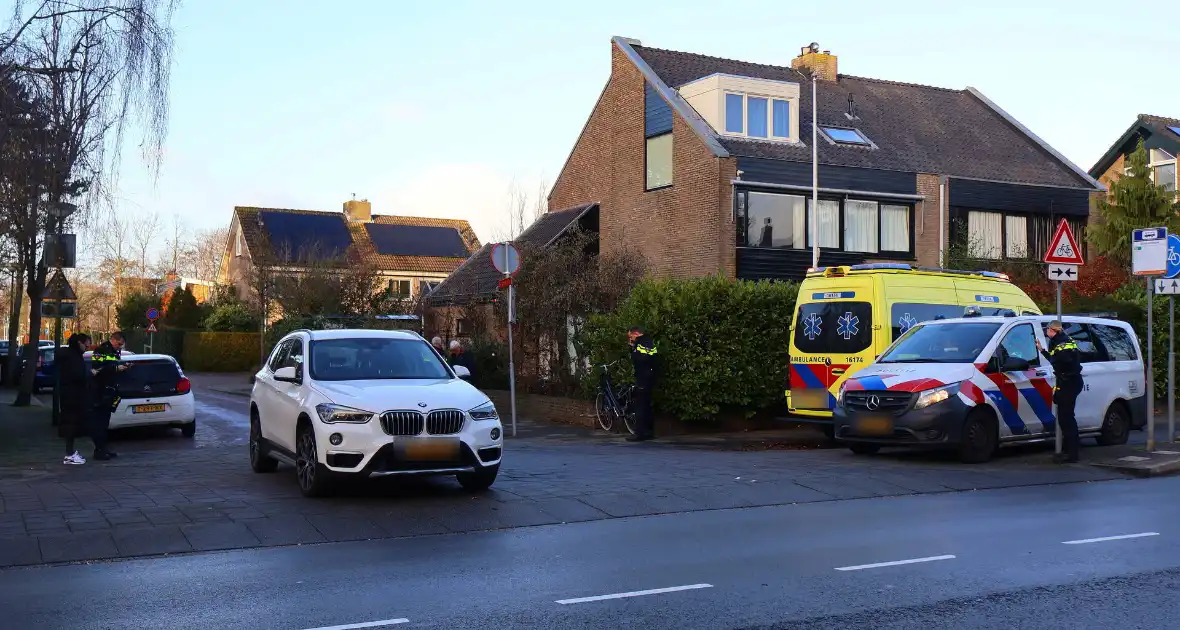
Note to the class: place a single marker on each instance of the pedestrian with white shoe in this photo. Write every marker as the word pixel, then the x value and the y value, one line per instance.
pixel 74 381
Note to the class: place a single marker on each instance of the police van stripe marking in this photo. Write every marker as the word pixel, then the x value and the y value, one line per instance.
pixel 1008 412
pixel 872 383
pixel 1043 412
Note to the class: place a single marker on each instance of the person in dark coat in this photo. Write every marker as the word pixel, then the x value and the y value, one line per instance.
pixel 460 356
pixel 643 359
pixel 1065 357
pixel 106 366
pixel 73 387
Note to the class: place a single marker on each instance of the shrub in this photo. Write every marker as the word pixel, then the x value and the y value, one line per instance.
pixel 231 317
pixel 221 351
pixel 722 344
pixel 131 313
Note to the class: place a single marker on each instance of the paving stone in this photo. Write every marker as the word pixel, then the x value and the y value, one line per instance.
pixel 292 530
pixel 77 546
pixel 568 510
pixel 20 550
pixel 147 541
pixel 209 536
pixel 337 528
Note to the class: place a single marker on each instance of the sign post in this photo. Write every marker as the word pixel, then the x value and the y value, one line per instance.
pixel 506 260
pixel 1172 270
pixel 57 289
pixel 1063 257
pixel 1149 257
pixel 152 314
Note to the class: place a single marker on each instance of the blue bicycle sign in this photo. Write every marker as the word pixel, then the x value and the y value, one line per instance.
pixel 1173 256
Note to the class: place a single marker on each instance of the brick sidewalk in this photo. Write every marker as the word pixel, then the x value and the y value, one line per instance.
pixel 160 502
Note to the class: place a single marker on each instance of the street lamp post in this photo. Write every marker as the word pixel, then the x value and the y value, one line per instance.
pixel 814 175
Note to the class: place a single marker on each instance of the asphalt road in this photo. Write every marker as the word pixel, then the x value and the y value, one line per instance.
pixel 1028 557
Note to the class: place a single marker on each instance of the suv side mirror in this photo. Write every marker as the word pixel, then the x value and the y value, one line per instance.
pixel 462 372
pixel 287 375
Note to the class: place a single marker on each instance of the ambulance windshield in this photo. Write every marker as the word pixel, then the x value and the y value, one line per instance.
pixel 941 343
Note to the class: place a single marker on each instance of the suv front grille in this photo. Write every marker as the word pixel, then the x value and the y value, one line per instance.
pixel 887 402
pixel 402 422
pixel 444 422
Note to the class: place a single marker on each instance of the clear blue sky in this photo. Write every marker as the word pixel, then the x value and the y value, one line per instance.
pixel 435 111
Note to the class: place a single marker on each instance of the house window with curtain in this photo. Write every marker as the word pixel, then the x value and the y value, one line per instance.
pixel 827 221
pixel 895 228
pixel 985 235
pixel 1163 168
pixel 1015 236
pixel 861 221
pixel 659 162
pixel 757 116
pixel 774 220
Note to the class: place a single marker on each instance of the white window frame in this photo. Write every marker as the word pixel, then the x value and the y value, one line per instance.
pixel 238 241
pixel 1152 164
pixel 389 284
pixel 770 100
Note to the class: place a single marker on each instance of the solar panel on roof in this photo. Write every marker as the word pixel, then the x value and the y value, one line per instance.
pixel 1175 130
pixel 299 236
pixel 416 240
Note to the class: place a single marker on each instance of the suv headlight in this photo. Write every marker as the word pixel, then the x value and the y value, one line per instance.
pixel 486 411
pixel 936 395
pixel 331 414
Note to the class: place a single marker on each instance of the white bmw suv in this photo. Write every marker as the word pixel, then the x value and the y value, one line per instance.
pixel 370 403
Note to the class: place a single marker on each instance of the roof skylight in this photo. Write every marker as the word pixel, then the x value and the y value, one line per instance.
pixel 1175 130
pixel 844 136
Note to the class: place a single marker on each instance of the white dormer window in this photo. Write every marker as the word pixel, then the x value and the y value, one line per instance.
pixel 746 107
pixel 757 116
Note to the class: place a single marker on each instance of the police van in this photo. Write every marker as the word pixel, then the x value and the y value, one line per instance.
pixel 846 316
pixel 977 383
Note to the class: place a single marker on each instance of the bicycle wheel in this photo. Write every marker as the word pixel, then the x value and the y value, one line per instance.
pixel 606 416
pixel 628 412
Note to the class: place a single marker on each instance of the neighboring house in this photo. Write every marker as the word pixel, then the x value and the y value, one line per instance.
pixel 202 290
pixel 704 165
pixel 411 254
pixel 463 301
pixel 1161 139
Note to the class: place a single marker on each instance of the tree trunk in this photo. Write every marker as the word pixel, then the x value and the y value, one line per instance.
pixel 36 286
pixel 13 356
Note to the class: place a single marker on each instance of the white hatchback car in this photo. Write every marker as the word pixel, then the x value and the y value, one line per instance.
pixel 370 403
pixel 153 391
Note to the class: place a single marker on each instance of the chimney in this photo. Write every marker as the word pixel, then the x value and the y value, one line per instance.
pixel 811 59
pixel 360 211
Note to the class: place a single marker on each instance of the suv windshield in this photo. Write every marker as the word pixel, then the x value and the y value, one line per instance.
pixel 941 343
pixel 374 358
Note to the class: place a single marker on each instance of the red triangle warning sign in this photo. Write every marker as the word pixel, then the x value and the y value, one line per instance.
pixel 1064 250
pixel 152 327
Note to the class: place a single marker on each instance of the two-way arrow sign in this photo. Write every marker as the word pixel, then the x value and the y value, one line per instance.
pixel 1063 273
pixel 1167 286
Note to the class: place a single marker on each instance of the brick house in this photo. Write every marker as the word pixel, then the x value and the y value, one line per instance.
pixel 1161 139
pixel 704 165
pixel 410 254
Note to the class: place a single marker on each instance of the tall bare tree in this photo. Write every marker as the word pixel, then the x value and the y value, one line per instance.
pixel 94 68
pixel 145 229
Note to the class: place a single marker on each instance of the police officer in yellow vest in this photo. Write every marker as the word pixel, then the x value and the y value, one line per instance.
pixel 1066 359
pixel 643 359
pixel 105 364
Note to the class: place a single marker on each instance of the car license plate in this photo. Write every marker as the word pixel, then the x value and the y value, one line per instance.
pixel 147 408
pixel 874 425
pixel 812 398
pixel 431 450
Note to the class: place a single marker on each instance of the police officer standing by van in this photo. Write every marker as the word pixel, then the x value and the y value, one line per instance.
pixel 643 359
pixel 1066 360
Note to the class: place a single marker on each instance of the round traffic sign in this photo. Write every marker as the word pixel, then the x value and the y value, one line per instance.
pixel 153 314
pixel 505 258
pixel 1173 268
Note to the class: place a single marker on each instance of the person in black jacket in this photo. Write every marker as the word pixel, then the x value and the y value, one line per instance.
pixel 460 356
pixel 643 359
pixel 1066 360
pixel 105 366
pixel 74 391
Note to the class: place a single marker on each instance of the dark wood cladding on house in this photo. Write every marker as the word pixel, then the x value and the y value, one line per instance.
pixel 758 263
pixel 657 113
pixel 969 193
pixel 841 177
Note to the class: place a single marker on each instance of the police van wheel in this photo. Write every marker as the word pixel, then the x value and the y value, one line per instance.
pixel 980 438
pixel 1116 428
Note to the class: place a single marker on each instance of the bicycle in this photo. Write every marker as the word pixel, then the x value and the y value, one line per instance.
pixel 612 403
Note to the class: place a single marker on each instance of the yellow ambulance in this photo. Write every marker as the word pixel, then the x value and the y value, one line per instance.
pixel 846 316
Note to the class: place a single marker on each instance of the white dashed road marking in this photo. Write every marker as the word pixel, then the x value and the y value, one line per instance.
pixel 368 624
pixel 654 591
pixel 1106 538
pixel 895 563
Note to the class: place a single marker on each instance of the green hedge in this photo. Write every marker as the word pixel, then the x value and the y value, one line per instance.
pixel 221 351
pixel 168 341
pixel 722 344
